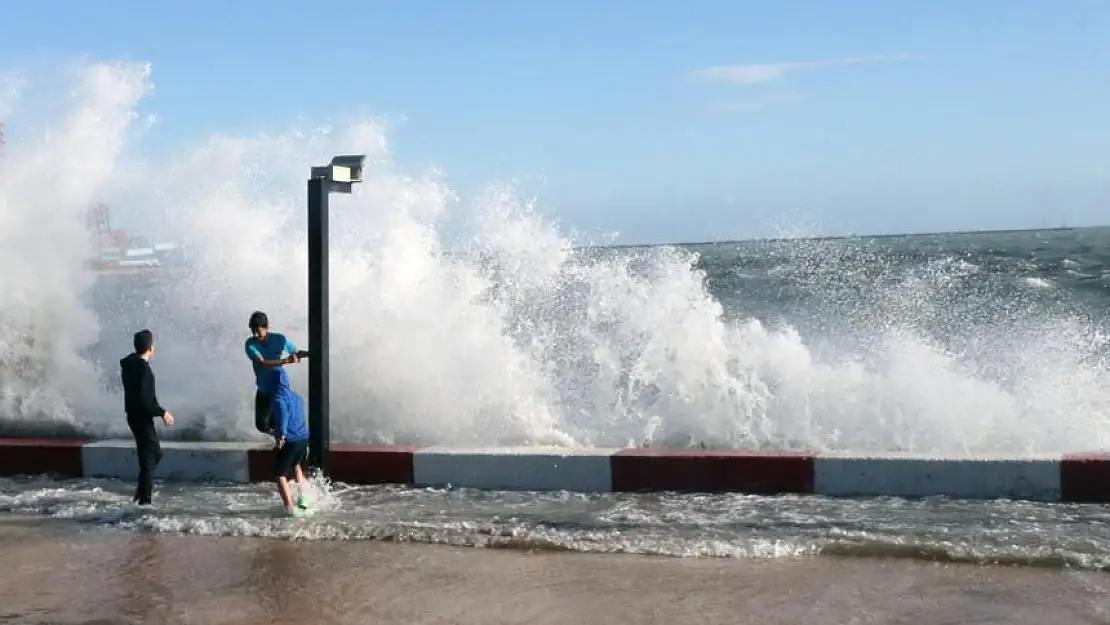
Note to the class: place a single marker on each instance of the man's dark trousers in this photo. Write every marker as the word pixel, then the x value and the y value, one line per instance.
pixel 150 454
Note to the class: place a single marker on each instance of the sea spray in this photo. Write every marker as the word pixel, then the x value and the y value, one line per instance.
pixel 47 180
pixel 477 321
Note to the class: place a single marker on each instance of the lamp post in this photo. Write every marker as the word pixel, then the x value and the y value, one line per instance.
pixel 339 176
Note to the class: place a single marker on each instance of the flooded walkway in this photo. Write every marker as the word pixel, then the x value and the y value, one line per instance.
pixel 60 572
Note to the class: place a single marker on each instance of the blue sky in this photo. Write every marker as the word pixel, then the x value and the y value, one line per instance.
pixel 663 120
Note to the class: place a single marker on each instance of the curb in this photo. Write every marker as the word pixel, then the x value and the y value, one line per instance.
pixel 1078 478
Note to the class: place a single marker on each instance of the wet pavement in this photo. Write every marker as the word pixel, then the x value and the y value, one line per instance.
pixel 61 572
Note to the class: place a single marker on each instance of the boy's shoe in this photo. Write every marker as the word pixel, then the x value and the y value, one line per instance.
pixel 297 512
pixel 302 502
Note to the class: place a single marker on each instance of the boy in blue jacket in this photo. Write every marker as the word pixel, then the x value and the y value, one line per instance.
pixel 291 434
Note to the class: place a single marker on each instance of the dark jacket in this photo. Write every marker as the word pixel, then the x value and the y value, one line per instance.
pixel 139 397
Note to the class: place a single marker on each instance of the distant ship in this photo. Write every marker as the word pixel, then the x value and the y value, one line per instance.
pixel 117 253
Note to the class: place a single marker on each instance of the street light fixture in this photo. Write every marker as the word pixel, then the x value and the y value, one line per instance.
pixel 339 176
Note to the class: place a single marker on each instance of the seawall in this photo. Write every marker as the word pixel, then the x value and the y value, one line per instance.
pixel 1080 478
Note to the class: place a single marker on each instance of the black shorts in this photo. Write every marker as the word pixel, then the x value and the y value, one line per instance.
pixel 291 454
pixel 263 412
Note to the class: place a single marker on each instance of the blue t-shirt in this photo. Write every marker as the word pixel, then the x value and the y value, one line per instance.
pixel 275 347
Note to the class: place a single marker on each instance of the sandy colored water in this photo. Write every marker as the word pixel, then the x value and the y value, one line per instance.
pixel 55 572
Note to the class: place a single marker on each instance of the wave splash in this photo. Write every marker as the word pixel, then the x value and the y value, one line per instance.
pixel 477 321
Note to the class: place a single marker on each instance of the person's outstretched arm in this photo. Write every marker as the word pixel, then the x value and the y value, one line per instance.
pixel 295 355
pixel 254 354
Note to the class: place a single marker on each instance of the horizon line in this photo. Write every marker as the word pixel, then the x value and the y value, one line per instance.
pixel 837 237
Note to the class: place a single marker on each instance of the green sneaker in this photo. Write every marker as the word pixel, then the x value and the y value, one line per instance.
pixel 297 512
pixel 302 502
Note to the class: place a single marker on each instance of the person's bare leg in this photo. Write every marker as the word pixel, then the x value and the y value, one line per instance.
pixel 283 490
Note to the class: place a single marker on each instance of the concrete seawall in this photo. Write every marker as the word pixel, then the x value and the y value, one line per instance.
pixel 1046 477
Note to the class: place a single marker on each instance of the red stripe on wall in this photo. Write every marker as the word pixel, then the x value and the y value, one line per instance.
pixel 702 471
pixel 350 463
pixel 371 464
pixel 260 465
pixel 1085 478
pixel 36 456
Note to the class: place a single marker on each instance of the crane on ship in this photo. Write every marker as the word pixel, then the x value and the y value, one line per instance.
pixel 109 244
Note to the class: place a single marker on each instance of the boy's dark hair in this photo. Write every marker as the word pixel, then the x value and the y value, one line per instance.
pixel 259 320
pixel 143 341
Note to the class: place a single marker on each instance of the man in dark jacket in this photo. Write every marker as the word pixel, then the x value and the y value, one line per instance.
pixel 140 402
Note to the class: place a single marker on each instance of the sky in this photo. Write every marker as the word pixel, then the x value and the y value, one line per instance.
pixel 665 121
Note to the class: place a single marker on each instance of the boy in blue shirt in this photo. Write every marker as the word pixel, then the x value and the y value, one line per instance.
pixel 291 434
pixel 266 351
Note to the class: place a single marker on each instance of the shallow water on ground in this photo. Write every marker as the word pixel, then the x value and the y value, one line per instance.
pixel 677 525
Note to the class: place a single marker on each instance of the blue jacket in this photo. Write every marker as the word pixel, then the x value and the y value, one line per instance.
pixel 290 421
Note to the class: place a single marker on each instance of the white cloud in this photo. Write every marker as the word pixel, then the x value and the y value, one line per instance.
pixel 767 72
